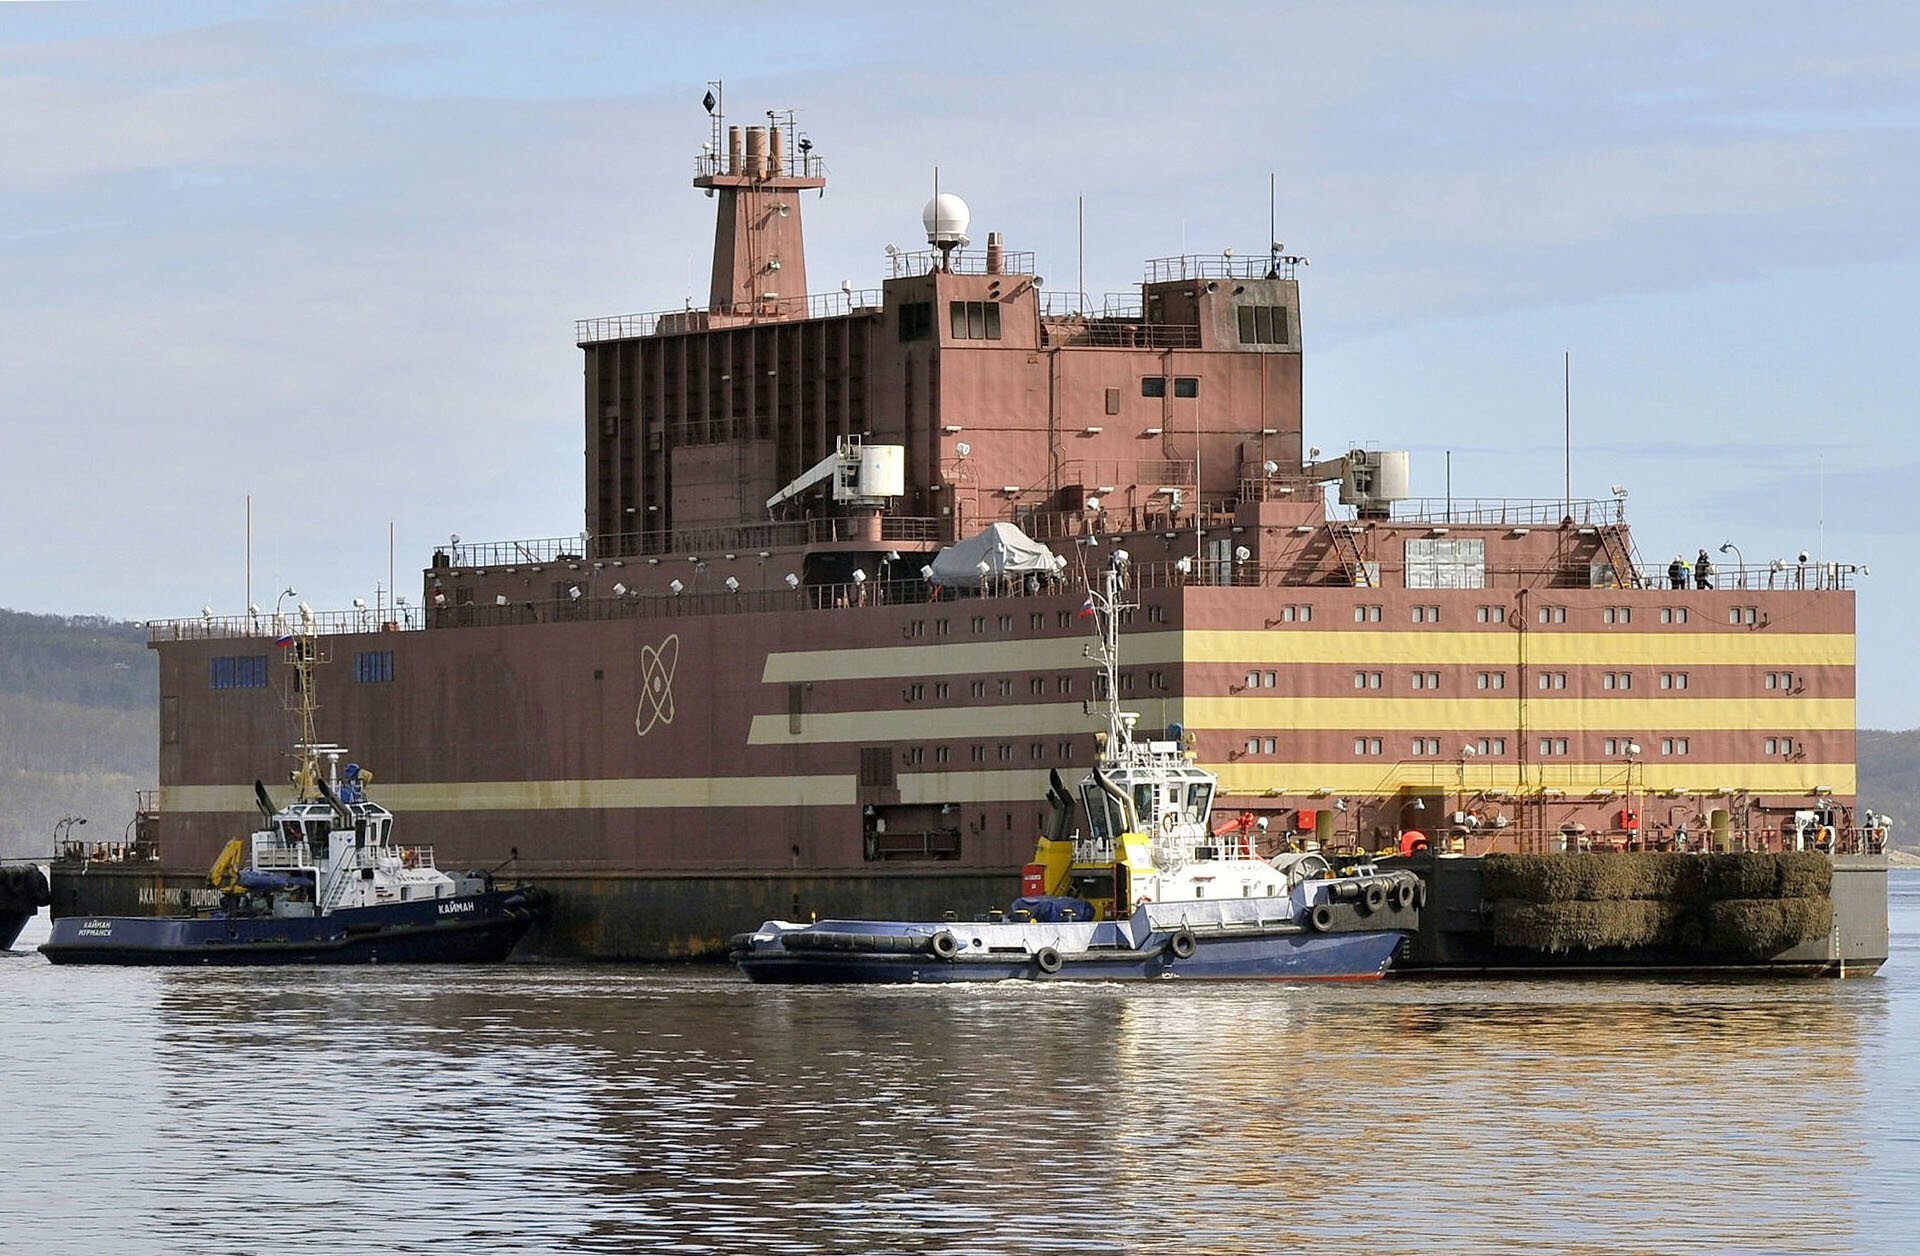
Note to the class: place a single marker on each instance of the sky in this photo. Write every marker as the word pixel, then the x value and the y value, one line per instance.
pixel 328 256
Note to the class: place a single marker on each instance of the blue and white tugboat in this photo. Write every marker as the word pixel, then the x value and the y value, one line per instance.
pixel 323 882
pixel 1149 890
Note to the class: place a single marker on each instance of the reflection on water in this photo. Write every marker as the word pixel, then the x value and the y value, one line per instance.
pixel 621 1109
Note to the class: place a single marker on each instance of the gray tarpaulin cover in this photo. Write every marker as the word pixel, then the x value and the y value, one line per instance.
pixel 1006 550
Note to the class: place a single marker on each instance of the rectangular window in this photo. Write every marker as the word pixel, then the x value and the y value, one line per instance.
pixel 1617 680
pixel 1491 680
pixel 1186 386
pixel 916 692
pixel 1426 680
pixel 1006 688
pixel 916 321
pixel 1673 745
pixel 1065 751
pixel 1617 614
pixel 1366 614
pixel 244 671
pixel 975 320
pixel 1366 745
pixel 1673 680
pixel 1153 385
pixel 1550 746
pixel 979 623
pixel 1673 614
pixel 1553 680
pixel 1066 684
pixel 373 667
pixel 940 691
pixel 1006 752
pixel 1366 680
pixel 1493 745
pixel 1263 324
pixel 1006 623
pixel 1553 614
pixel 979 754
pixel 915 756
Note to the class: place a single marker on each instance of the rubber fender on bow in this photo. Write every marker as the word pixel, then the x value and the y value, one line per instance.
pixel 1320 919
pixel 944 945
pixel 1182 943
pixel 1403 895
pixel 1374 897
pixel 1047 960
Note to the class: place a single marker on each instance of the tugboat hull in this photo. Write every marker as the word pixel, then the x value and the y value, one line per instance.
pixel 470 929
pixel 1277 957
pixel 1272 939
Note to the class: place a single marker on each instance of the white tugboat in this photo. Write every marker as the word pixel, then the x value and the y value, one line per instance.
pixel 1149 889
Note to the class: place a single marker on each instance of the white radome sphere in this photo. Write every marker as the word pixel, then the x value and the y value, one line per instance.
pixel 946 218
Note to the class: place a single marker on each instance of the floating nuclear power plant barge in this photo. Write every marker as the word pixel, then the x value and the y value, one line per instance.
pixel 819 643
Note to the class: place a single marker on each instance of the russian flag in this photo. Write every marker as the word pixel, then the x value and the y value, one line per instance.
pixel 1086 607
pixel 284 640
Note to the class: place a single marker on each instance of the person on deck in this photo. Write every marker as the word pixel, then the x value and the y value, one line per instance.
pixel 1703 571
pixel 1677 572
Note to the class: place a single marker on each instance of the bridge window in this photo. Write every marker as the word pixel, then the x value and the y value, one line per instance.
pixel 245 671
pixel 1153 386
pixel 916 321
pixel 975 320
pixel 373 667
pixel 1263 325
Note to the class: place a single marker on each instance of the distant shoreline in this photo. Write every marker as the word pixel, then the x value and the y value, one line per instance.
pixel 1902 858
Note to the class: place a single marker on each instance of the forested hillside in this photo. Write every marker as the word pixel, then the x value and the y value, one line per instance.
pixel 79 726
pixel 1890 780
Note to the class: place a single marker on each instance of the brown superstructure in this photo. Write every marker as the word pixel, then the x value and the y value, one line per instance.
pixel 701 712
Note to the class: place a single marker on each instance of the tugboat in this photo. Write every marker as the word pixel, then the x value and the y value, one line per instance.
pixel 1150 891
pixel 323 882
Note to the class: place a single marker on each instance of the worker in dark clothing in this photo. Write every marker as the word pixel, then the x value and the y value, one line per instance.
pixel 1677 572
pixel 1703 571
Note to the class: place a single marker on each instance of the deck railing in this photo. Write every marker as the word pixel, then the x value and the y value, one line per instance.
pixel 701 318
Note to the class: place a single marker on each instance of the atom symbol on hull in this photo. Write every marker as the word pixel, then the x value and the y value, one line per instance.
pixel 656 685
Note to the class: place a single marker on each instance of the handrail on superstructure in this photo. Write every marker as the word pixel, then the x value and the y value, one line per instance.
pixel 692 318
pixel 905 264
pixel 1223 265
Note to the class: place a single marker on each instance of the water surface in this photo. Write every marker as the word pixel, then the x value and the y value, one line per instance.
pixel 684 1110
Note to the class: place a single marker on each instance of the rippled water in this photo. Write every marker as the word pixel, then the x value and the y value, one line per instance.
pixel 666 1109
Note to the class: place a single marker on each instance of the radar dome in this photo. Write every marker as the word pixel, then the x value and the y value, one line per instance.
pixel 946 217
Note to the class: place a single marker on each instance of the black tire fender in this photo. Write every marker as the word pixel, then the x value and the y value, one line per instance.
pixel 1403 895
pixel 1047 960
pixel 1374 897
pixel 1182 943
pixel 1320 919
pixel 944 945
